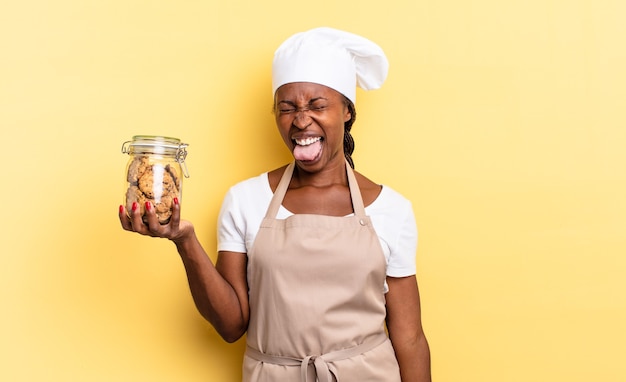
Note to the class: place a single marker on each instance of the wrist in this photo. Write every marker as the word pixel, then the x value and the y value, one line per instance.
pixel 185 236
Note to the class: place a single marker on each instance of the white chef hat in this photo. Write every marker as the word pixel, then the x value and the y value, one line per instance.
pixel 337 59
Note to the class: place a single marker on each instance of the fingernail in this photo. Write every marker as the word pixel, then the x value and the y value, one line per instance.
pixel 176 201
pixel 148 206
pixel 121 208
pixel 134 207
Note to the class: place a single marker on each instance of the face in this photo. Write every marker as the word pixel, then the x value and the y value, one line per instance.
pixel 310 118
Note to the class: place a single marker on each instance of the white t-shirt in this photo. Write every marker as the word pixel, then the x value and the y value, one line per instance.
pixel 246 203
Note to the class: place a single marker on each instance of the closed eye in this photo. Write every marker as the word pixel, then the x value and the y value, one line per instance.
pixel 286 107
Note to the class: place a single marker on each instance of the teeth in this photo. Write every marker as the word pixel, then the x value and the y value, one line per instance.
pixel 307 141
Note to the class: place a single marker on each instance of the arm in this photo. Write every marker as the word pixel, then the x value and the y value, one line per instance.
pixel 405 329
pixel 220 292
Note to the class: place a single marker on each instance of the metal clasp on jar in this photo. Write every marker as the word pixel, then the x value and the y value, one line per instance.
pixel 126 147
pixel 181 154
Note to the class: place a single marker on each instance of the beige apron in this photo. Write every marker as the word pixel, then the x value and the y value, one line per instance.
pixel 317 306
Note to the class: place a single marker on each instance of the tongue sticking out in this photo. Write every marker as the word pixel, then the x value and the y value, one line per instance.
pixel 308 152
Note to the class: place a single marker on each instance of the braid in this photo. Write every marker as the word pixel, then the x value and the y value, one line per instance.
pixel 348 140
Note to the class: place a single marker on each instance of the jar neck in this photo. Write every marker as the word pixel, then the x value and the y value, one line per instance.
pixel 155 145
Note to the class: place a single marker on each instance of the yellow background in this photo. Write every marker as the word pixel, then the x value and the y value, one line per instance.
pixel 503 122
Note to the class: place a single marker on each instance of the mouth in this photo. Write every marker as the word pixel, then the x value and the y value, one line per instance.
pixel 306 141
pixel 307 149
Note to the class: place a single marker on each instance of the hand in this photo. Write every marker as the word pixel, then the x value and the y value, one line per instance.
pixel 175 230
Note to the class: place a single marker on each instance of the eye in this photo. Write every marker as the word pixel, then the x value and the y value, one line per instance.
pixel 318 106
pixel 285 107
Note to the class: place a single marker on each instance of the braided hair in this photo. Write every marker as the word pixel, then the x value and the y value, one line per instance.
pixel 348 140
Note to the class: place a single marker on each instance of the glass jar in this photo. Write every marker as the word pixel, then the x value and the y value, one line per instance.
pixel 153 174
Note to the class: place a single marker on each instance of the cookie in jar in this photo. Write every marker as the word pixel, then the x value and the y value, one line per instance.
pixel 154 173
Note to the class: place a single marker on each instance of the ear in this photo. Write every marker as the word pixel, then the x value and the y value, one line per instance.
pixel 347 114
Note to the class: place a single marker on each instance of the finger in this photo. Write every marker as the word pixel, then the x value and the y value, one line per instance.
pixel 152 221
pixel 124 220
pixel 136 220
pixel 175 219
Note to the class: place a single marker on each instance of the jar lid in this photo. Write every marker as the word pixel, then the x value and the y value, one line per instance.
pixel 153 141
pixel 158 143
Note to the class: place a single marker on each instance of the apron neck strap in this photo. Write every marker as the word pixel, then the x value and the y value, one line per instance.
pixel 355 193
pixel 283 185
pixel 280 192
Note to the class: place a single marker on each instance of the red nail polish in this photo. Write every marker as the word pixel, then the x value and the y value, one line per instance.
pixel 176 201
pixel 134 207
pixel 148 206
pixel 121 208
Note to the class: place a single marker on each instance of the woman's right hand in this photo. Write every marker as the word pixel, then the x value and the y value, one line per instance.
pixel 175 230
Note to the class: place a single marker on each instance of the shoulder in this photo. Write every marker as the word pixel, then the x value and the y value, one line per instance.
pixel 392 203
pixel 392 209
pixel 250 185
pixel 247 194
pixel 370 190
pixel 273 177
pixel 381 196
pixel 392 197
pixel 246 200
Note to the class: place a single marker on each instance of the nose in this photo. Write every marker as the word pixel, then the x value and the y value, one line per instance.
pixel 302 120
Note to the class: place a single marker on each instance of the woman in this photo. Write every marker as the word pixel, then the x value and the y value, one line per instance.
pixel 315 260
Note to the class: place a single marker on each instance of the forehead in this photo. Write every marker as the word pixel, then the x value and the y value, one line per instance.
pixel 305 91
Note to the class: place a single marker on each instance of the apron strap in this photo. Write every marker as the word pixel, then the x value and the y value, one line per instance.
pixel 280 192
pixel 325 371
pixel 283 185
pixel 355 193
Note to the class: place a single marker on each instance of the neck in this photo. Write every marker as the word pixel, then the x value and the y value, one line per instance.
pixel 332 174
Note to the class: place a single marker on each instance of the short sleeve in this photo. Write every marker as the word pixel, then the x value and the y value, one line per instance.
pixel 230 236
pixel 241 214
pixel 394 222
pixel 403 250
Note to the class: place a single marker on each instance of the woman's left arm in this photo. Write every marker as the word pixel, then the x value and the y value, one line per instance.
pixel 404 324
